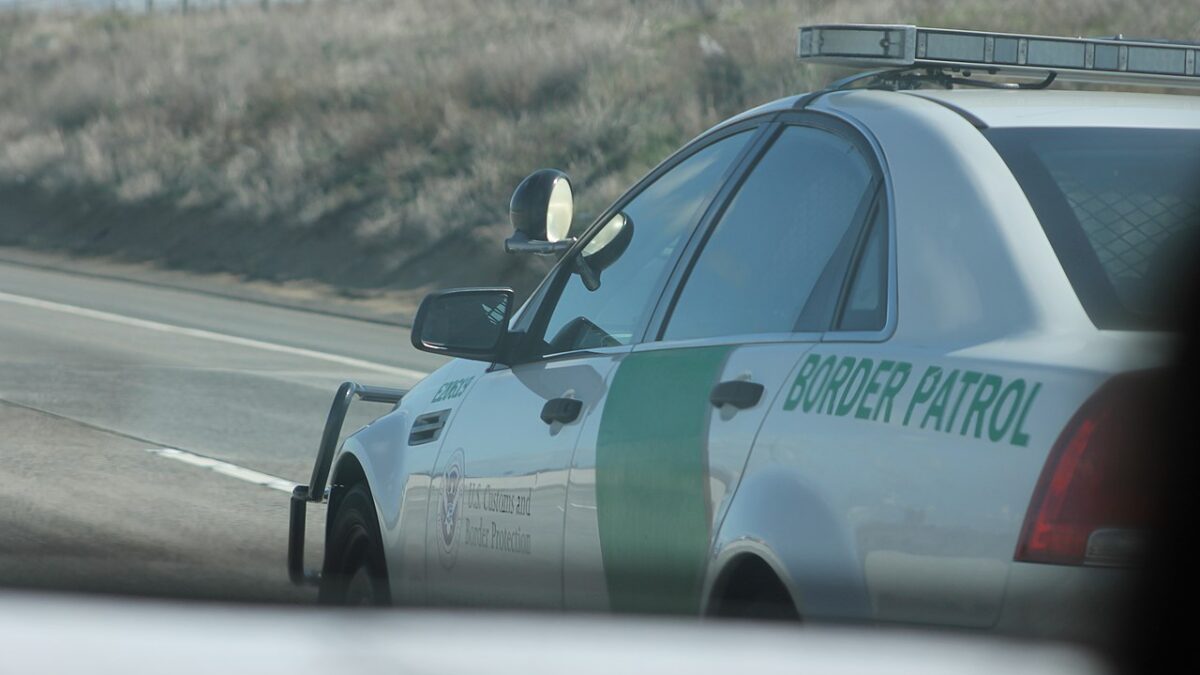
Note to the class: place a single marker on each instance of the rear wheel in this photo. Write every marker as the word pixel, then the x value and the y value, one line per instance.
pixel 355 572
pixel 753 591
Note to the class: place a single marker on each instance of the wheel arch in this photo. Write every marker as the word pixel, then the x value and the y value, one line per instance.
pixel 784 522
pixel 747 574
pixel 347 473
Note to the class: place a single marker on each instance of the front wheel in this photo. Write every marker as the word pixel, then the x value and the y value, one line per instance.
pixel 355 572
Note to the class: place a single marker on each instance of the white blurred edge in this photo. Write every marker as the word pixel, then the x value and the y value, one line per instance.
pixel 64 633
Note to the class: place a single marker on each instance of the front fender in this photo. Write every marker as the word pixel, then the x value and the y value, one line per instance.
pixel 377 453
pixel 378 450
pixel 782 519
pixel 399 475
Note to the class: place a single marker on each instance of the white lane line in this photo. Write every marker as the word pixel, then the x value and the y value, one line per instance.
pixel 225 468
pixel 209 335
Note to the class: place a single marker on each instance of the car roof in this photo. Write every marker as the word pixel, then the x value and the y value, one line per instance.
pixel 1040 108
pixel 1059 108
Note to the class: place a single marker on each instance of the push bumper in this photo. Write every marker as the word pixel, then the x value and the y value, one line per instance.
pixel 315 491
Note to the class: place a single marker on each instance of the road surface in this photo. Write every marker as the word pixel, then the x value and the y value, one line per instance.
pixel 149 436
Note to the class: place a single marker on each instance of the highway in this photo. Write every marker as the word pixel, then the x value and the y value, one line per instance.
pixel 149 435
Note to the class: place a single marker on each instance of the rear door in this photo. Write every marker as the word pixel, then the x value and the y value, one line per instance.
pixel 655 469
pixel 495 534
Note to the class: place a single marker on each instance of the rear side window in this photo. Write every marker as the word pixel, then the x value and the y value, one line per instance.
pixel 776 261
pixel 1121 208
pixel 865 308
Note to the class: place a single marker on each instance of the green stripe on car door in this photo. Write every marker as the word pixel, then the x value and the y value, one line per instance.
pixel 652 496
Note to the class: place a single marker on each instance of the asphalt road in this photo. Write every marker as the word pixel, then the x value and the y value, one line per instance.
pixel 98 377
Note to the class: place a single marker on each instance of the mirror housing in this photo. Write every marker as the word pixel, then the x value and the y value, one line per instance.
pixel 540 211
pixel 610 242
pixel 468 323
pixel 604 249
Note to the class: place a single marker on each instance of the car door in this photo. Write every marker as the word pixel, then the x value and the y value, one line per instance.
pixel 657 466
pixel 495 535
pixel 909 460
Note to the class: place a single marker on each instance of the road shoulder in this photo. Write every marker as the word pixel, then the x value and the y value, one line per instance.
pixel 377 306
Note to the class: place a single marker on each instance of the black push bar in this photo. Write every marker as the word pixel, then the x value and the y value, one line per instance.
pixel 315 490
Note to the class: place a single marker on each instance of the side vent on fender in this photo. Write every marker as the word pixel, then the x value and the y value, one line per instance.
pixel 428 427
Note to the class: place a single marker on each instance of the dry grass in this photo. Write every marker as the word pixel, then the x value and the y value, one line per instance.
pixel 374 144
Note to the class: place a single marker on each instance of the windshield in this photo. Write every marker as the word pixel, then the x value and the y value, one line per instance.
pixel 1119 207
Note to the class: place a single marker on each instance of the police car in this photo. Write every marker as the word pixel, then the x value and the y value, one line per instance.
pixel 870 353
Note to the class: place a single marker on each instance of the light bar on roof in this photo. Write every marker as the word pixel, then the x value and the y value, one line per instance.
pixel 1087 59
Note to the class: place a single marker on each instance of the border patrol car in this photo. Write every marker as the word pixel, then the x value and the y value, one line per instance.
pixel 870 353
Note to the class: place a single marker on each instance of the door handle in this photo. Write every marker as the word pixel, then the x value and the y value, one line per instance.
pixel 740 394
pixel 561 410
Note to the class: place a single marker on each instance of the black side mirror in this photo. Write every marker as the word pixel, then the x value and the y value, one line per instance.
pixel 469 323
pixel 604 249
pixel 540 212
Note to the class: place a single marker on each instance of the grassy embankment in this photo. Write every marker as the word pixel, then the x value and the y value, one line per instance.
pixel 374 144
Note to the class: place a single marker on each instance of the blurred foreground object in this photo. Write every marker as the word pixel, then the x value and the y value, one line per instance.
pixel 65 634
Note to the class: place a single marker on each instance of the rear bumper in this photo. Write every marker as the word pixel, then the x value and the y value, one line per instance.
pixel 1064 602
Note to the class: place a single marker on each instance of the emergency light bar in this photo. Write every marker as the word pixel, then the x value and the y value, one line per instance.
pixel 1111 60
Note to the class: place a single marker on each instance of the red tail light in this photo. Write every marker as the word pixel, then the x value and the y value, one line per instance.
pixel 1090 505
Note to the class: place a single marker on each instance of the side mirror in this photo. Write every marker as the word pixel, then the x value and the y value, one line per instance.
pixel 604 249
pixel 469 323
pixel 540 212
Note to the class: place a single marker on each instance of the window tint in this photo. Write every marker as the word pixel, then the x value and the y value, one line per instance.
pixel 866 299
pixel 777 259
pixel 663 215
pixel 1121 209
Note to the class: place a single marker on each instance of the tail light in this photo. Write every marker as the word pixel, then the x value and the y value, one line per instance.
pixel 1091 503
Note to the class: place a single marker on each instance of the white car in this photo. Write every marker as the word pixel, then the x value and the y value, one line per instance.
pixel 870 353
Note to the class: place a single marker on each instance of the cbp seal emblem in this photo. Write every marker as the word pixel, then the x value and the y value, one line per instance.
pixel 449 506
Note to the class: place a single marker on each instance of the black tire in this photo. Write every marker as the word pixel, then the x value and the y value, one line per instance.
pixel 754 592
pixel 355 572
pixel 760 604
pixel 765 608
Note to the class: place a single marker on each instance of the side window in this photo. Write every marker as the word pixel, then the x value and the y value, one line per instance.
pixel 777 260
pixel 663 214
pixel 865 308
